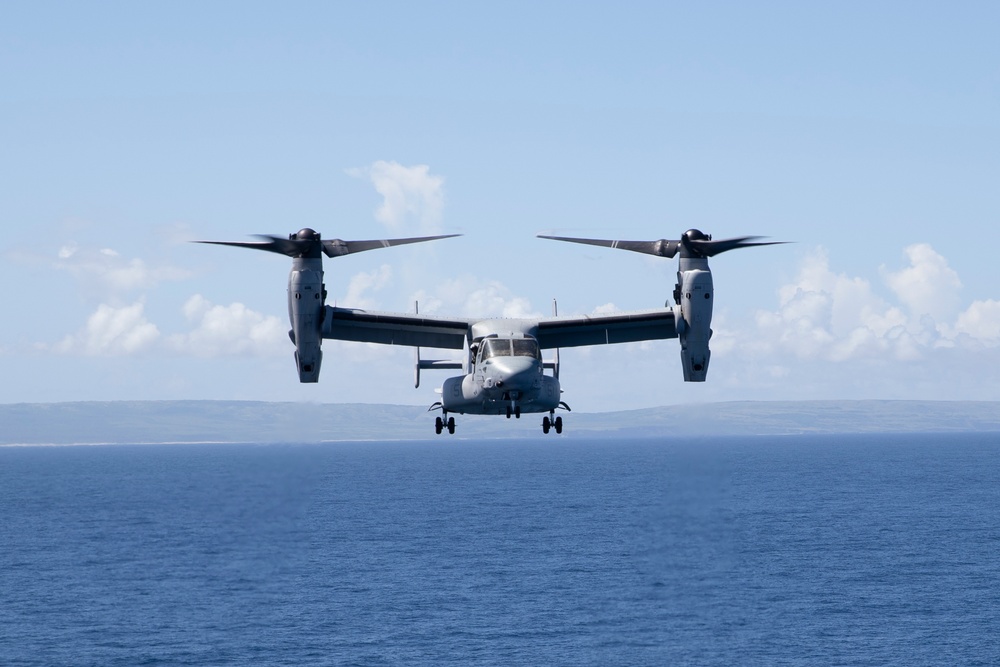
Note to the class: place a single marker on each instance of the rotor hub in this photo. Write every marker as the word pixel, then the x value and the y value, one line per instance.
pixel 305 234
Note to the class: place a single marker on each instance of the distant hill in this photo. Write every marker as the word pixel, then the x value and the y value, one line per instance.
pixel 249 421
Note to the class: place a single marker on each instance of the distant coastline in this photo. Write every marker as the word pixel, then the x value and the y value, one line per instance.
pixel 163 422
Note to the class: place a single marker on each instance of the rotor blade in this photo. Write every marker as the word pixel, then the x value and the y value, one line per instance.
pixel 273 244
pixel 712 248
pixel 661 248
pixel 337 247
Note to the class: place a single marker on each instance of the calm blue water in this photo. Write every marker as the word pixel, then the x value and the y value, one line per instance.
pixel 805 550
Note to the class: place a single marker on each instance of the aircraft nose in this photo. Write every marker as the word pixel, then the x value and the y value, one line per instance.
pixel 517 373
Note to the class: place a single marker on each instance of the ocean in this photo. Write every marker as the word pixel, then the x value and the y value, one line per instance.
pixel 803 550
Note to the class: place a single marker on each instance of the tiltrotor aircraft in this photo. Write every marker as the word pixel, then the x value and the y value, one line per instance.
pixel 503 371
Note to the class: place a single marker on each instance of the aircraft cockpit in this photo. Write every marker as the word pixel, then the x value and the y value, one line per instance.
pixel 509 347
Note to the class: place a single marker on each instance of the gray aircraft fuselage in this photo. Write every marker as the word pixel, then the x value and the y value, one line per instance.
pixel 506 375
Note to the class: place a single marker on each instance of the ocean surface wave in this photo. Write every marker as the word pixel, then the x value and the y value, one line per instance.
pixel 873 549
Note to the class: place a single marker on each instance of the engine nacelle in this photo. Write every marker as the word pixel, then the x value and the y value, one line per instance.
pixel 305 311
pixel 694 322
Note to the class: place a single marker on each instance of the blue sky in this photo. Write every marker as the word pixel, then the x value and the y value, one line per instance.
pixel 868 133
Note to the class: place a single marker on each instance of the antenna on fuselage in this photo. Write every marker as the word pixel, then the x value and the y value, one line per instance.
pixel 416 368
pixel 555 362
pixel 430 364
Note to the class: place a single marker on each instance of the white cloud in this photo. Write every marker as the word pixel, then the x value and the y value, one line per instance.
pixel 408 193
pixel 112 331
pixel 232 330
pixel 823 314
pixel 106 272
pixel 467 296
pixel 431 303
pixel 363 283
pixel 829 316
pixel 980 322
pixel 606 309
pixel 835 302
pixel 928 286
pixel 494 297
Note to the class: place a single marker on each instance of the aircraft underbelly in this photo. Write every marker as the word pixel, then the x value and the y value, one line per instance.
pixel 464 395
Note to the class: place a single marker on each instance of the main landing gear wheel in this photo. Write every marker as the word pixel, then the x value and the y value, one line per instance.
pixel 442 424
pixel 551 423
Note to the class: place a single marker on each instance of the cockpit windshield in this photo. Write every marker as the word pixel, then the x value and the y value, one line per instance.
pixel 526 347
pixel 505 347
pixel 496 347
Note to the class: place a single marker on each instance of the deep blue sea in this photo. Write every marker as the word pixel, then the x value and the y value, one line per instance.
pixel 813 550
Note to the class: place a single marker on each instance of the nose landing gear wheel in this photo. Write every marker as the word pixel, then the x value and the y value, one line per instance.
pixel 546 424
pixel 438 425
pixel 451 424
pixel 558 424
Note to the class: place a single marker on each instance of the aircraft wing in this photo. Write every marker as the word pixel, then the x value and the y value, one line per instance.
pixel 624 327
pixel 394 328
